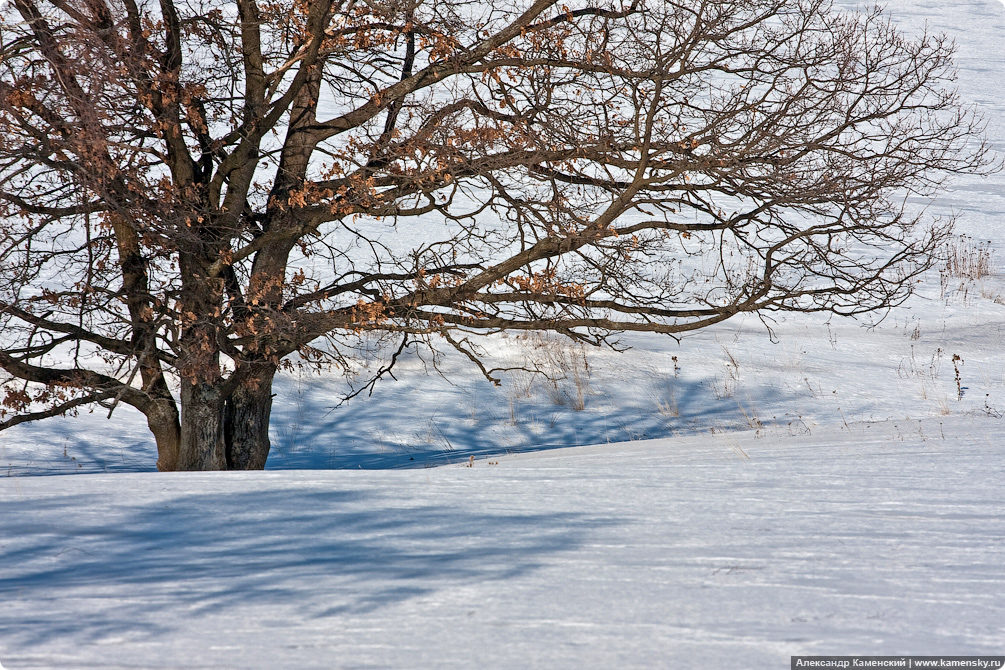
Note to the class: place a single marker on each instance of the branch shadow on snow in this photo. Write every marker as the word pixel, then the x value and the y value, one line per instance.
pixel 85 444
pixel 423 420
pixel 137 570
pixel 401 427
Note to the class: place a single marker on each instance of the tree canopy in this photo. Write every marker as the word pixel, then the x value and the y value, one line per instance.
pixel 195 193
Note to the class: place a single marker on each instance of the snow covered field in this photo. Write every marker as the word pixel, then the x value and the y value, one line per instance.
pixel 728 551
pixel 836 491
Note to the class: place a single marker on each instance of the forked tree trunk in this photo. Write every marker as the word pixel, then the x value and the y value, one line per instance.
pixel 217 432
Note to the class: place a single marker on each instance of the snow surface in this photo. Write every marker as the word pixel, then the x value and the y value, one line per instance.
pixel 745 498
pixel 723 551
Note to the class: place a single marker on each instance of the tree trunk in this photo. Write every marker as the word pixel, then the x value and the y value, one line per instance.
pixel 246 422
pixel 218 432
pixel 202 439
pixel 162 419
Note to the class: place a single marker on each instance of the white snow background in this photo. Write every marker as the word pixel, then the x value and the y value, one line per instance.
pixel 725 502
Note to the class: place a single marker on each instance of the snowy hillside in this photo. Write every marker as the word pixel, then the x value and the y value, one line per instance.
pixel 755 491
pixel 705 552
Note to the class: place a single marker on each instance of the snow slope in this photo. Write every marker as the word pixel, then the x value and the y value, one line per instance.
pixel 745 499
pixel 724 551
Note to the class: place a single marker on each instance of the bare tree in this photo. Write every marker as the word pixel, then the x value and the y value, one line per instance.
pixel 195 194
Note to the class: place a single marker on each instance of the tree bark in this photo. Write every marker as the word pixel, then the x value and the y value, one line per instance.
pixel 218 431
pixel 202 437
pixel 246 421
pixel 162 419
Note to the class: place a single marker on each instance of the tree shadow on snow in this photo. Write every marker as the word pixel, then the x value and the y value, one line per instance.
pixel 137 570
pixel 402 428
pixel 425 421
